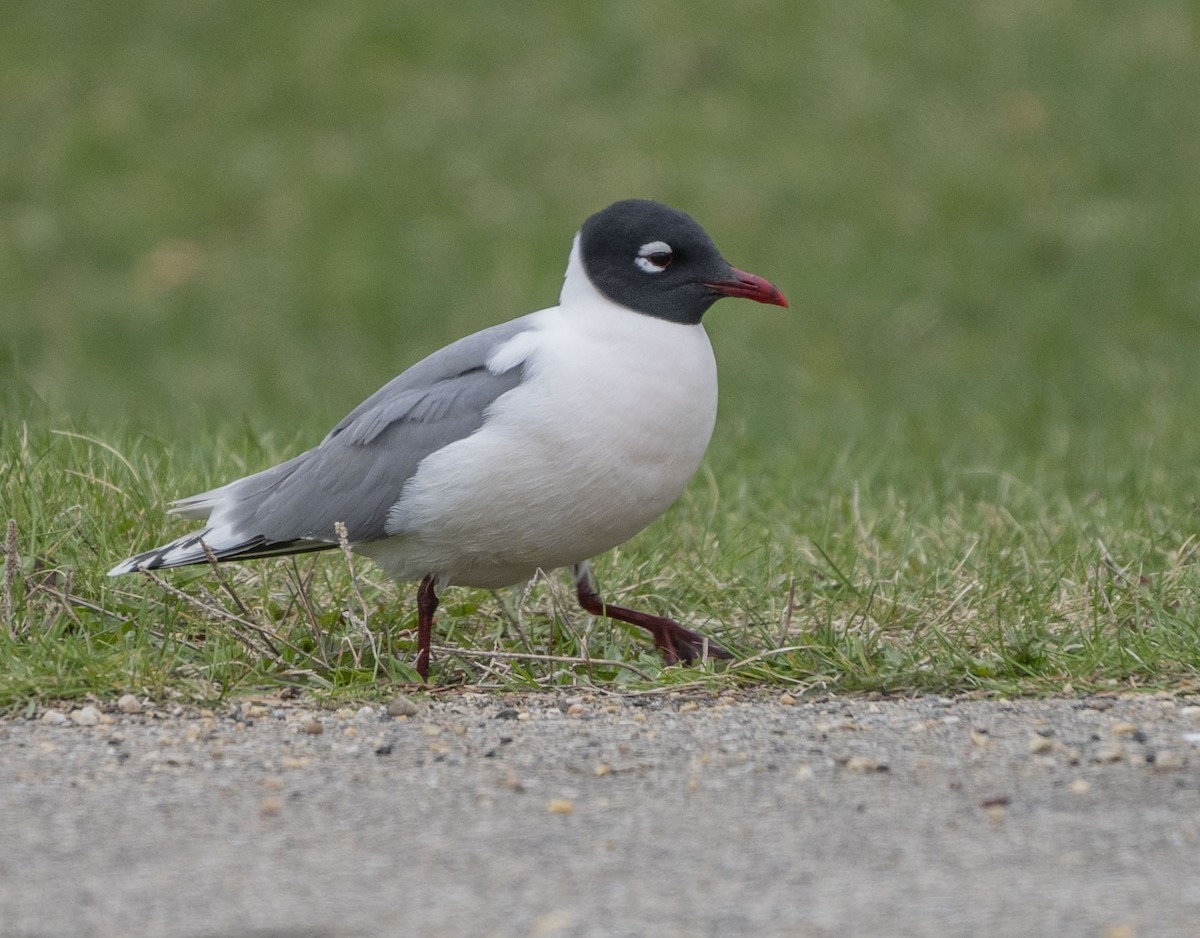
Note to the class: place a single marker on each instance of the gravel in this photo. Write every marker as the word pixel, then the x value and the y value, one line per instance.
pixel 755 814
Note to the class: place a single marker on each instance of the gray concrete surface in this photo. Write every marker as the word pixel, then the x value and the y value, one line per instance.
pixel 658 815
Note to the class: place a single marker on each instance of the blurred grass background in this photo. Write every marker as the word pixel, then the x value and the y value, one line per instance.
pixel 224 224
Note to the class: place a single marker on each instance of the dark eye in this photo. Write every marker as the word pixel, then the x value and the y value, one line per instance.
pixel 655 257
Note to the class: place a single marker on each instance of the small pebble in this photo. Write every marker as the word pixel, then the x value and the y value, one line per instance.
pixel 128 703
pixel 402 707
pixel 1108 753
pixel 690 707
pixel 576 709
pixel 561 806
pixel 864 764
pixel 1192 738
pixel 269 807
pixel 85 716
pixel 55 718
pixel 364 713
pixel 1167 760
pixel 1124 729
pixel 1038 745
pixel 314 727
pixel 1079 787
pixel 431 729
pixel 787 700
pixel 980 738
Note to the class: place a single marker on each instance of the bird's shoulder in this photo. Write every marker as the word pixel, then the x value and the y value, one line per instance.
pixel 465 373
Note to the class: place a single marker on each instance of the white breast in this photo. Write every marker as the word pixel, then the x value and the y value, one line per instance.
pixel 601 437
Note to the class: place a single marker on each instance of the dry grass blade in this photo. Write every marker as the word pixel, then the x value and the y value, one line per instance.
pixel 12 563
pixel 215 563
pixel 363 623
pixel 514 617
pixel 245 632
pixel 789 609
pixel 67 598
pixel 64 594
pixel 301 593
pixel 107 447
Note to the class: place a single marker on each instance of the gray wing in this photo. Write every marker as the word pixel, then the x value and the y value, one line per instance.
pixel 357 472
pixel 427 389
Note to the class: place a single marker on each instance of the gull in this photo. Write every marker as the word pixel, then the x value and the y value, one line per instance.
pixel 532 445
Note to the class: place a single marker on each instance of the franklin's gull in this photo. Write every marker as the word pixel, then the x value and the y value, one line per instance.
pixel 535 444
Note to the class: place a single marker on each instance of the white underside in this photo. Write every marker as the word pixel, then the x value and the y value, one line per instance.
pixel 603 435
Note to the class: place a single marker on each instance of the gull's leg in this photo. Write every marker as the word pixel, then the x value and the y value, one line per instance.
pixel 427 603
pixel 673 641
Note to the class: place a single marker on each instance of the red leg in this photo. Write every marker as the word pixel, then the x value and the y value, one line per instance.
pixel 427 603
pixel 673 641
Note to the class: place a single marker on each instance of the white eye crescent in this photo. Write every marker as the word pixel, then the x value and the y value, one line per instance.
pixel 655 257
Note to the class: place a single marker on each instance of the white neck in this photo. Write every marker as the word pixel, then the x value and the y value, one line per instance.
pixel 577 286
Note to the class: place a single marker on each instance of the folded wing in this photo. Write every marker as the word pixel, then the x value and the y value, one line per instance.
pixel 357 472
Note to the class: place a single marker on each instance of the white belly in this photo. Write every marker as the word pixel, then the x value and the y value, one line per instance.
pixel 603 435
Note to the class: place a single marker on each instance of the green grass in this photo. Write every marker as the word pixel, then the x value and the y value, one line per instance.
pixel 967 459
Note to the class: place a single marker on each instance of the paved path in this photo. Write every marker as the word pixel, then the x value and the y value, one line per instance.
pixel 661 815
